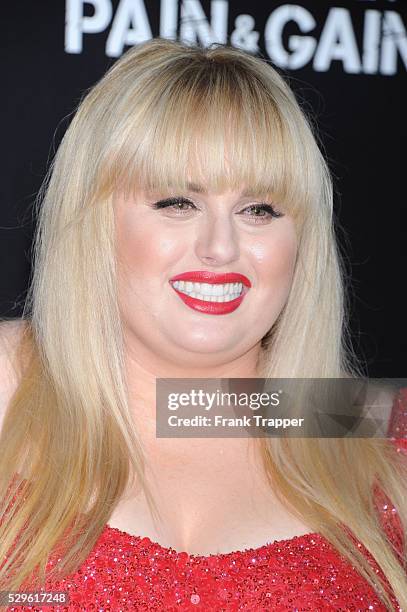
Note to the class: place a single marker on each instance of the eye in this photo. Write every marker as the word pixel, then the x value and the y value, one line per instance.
pixel 176 204
pixel 263 212
pixel 267 212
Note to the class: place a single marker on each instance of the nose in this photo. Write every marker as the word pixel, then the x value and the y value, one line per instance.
pixel 217 241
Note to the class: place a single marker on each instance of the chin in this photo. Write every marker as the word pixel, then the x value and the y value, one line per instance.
pixel 203 348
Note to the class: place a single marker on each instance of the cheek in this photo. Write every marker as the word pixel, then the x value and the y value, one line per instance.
pixel 145 250
pixel 274 260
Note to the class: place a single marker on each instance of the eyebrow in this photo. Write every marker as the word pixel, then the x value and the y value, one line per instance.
pixel 195 187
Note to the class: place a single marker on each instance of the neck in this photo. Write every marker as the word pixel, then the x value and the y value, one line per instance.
pixel 143 369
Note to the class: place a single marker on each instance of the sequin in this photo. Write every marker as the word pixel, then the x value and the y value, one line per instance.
pixel 127 573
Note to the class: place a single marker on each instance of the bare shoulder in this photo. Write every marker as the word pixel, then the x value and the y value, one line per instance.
pixel 11 335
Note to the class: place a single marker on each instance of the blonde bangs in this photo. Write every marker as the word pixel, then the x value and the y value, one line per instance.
pixel 212 125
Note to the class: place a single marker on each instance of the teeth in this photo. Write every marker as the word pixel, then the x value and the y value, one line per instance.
pixel 214 298
pixel 210 292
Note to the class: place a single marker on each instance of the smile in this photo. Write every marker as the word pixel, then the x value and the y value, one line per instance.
pixel 210 293
pixel 211 297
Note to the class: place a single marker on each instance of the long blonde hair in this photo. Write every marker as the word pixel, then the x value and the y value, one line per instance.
pixel 68 445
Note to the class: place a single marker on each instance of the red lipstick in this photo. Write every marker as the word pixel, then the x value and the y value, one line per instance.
pixel 212 278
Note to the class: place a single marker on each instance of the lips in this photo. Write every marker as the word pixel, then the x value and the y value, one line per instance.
pixel 214 308
pixel 213 278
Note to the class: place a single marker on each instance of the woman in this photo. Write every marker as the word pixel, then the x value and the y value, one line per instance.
pixel 185 160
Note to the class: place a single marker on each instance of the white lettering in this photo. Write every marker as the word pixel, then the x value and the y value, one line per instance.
pixel 302 47
pixel 130 27
pixel 76 24
pixel 338 42
pixel 243 36
pixel 384 36
pixel 371 41
pixel 169 19
pixel 195 27
pixel 394 38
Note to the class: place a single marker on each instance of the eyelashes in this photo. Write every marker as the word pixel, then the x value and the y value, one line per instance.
pixel 176 202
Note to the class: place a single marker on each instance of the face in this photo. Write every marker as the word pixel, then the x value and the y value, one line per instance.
pixel 206 232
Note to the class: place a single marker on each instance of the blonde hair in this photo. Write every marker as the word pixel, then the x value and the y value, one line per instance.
pixel 68 432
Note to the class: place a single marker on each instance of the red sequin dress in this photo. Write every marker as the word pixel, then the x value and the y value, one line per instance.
pixel 126 572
